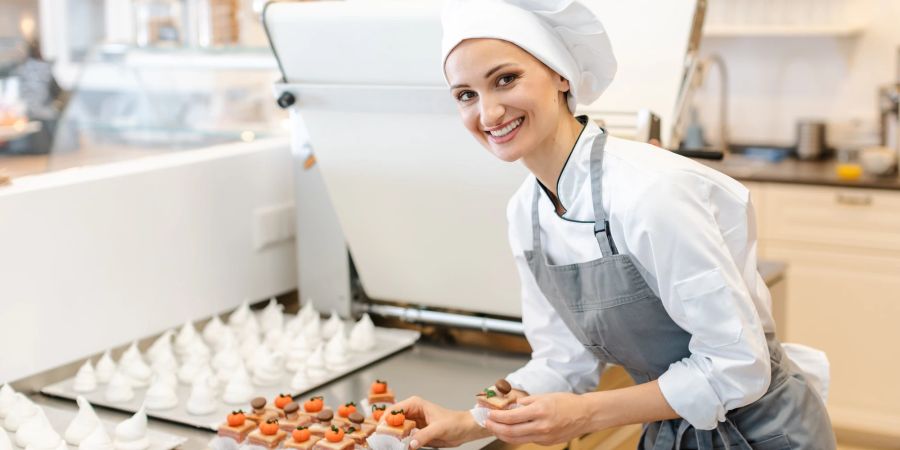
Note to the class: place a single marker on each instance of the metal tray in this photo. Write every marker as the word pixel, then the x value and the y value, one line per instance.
pixel 60 419
pixel 389 341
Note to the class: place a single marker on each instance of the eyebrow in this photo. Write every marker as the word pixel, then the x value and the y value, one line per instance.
pixel 487 75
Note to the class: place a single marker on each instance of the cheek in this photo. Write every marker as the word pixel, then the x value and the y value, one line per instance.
pixel 471 120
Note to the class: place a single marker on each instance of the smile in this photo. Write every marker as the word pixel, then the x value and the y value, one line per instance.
pixel 507 132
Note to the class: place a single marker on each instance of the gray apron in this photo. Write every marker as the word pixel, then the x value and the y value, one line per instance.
pixel 611 310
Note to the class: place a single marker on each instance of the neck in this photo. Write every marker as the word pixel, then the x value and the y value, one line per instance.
pixel 546 163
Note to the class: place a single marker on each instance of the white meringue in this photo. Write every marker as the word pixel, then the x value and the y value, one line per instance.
pixel 131 433
pixel 315 365
pixel 7 400
pixel 336 355
pixel 167 377
pixel 269 369
pixel 132 365
pixel 83 423
pixel 43 437
pixel 239 389
pixel 362 335
pixel 165 362
pixel 31 430
pixel 332 325
pixel 240 315
pixel 272 317
pixel 190 369
pixel 186 336
pixel 85 379
pixel 275 339
pixel 298 352
pixel 300 381
pixel 198 350
pixel 160 396
pixel 61 446
pixel 213 330
pixel 312 332
pixel 22 410
pixel 227 358
pixel 307 312
pixel 161 347
pixel 249 347
pixel 202 400
pixel 248 328
pixel 5 444
pixel 120 388
pixel 96 440
pixel 106 367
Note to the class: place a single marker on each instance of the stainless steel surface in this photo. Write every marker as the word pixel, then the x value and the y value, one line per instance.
pixel 810 139
pixel 420 315
pixel 389 341
pixel 422 370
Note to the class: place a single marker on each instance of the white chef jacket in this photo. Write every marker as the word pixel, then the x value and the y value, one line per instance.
pixel 691 233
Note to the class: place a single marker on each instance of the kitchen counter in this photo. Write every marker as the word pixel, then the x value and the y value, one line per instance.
pixel 421 370
pixel 796 172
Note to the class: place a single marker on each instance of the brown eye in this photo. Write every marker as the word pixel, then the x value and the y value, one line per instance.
pixel 506 79
pixel 465 96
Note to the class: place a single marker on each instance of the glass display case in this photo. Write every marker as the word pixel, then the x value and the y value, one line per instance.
pixel 129 102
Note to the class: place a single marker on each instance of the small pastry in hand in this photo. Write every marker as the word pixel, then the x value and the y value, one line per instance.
pixel 293 418
pixel 358 430
pixel 380 393
pixel 335 439
pixel 344 411
pixel 377 412
pixel 496 396
pixel 268 435
pixel 237 426
pixel 262 413
pixel 322 423
pixel 301 439
pixel 395 424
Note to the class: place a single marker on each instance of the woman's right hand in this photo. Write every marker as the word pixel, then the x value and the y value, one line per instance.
pixel 439 426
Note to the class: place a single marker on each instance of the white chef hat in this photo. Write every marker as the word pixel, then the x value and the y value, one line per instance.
pixel 563 34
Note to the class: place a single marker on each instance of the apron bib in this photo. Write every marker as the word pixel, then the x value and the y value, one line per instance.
pixel 611 310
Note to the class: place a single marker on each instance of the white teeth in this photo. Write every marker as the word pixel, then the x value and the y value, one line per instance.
pixel 507 129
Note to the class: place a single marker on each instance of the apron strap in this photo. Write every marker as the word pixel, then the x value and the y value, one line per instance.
pixel 536 221
pixel 601 221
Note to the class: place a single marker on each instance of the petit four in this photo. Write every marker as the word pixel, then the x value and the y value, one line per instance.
pixel 358 429
pixel 335 439
pixel 343 414
pixel 312 407
pixel 131 433
pixel 262 413
pixel 237 426
pixel 293 418
pixel 268 435
pixel 377 412
pixel 322 422
pixel 395 424
pixel 496 396
pixel 85 379
pixel 301 439
pixel 83 423
pixel 379 392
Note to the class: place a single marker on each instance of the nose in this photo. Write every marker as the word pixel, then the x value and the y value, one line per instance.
pixel 492 111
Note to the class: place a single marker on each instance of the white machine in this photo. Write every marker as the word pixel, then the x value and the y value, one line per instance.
pixel 420 205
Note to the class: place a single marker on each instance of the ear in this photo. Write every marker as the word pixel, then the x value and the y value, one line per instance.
pixel 562 84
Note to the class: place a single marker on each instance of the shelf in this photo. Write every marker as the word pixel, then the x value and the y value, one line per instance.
pixel 733 31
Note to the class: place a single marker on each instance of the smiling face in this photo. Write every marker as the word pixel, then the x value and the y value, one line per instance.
pixel 511 102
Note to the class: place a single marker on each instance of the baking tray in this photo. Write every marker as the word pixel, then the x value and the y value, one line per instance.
pixel 61 418
pixel 388 342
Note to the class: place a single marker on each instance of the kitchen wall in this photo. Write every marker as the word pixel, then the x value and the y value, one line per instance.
pixel 774 81
pixel 97 256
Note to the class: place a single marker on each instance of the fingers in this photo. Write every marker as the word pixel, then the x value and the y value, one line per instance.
pixel 514 416
pixel 422 437
pixel 516 434
pixel 526 400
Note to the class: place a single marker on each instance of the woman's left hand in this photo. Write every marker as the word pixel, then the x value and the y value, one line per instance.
pixel 543 419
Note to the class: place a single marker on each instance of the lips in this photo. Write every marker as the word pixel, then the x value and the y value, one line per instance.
pixel 505 132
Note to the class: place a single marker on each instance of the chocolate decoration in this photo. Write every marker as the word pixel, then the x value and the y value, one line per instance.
pixel 356 417
pixel 291 408
pixel 503 386
pixel 258 403
pixel 325 415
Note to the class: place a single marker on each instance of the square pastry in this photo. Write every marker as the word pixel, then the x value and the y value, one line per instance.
pixel 305 445
pixel 238 433
pixel 270 441
pixel 344 444
pixel 399 432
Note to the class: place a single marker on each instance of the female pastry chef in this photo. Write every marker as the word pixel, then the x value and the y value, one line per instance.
pixel 627 253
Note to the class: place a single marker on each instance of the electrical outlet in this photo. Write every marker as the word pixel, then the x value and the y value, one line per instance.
pixel 273 225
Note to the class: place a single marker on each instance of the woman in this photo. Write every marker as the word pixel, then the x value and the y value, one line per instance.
pixel 627 254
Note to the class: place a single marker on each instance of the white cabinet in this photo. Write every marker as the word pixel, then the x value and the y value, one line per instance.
pixel 842 247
